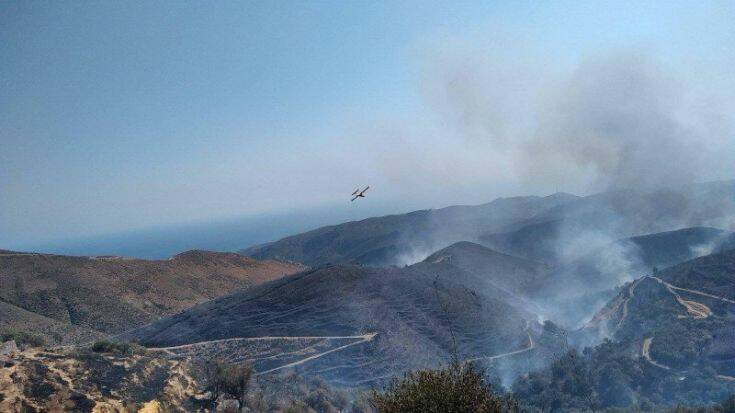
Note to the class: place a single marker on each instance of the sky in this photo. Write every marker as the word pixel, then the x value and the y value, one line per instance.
pixel 122 116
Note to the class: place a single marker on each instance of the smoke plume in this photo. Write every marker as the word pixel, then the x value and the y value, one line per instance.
pixel 619 120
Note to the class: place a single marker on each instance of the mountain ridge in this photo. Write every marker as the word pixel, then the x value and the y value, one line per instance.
pixel 401 239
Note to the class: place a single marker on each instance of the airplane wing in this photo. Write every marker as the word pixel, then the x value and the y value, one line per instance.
pixel 354 198
pixel 366 188
pixel 356 191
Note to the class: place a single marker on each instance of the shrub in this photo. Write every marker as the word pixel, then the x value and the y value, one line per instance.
pixel 457 388
pixel 24 338
pixel 297 407
pixel 728 406
pixel 227 379
pixel 121 348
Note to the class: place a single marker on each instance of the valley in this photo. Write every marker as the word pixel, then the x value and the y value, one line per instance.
pixel 367 206
pixel 524 288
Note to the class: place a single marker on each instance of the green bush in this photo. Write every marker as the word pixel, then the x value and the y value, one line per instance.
pixel 121 348
pixel 24 338
pixel 457 388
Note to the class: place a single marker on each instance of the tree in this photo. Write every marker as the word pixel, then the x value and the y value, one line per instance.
pixel 227 379
pixel 457 388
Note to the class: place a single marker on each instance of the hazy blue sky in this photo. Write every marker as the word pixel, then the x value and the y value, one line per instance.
pixel 124 115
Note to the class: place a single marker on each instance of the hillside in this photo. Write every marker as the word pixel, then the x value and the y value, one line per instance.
pixel 528 227
pixel 682 315
pixel 713 274
pixel 672 247
pixel 113 294
pixel 505 271
pixel 85 380
pixel 610 263
pixel 669 340
pixel 574 287
pixel 39 380
pixel 357 325
pixel 16 319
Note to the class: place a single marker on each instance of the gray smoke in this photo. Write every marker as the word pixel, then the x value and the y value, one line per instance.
pixel 618 120
pixel 619 117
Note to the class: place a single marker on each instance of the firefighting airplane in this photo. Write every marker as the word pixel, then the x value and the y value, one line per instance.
pixel 359 194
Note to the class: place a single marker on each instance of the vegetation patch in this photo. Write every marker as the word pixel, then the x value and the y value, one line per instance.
pixel 120 348
pixel 23 338
pixel 456 388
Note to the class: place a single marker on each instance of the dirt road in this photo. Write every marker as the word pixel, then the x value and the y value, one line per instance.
pixel 360 340
pixel 365 337
pixel 695 309
pixel 531 345
pixel 727 300
pixel 631 293
pixel 646 353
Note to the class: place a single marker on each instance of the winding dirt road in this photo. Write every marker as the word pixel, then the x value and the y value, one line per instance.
pixel 360 339
pixel 723 299
pixel 631 293
pixel 531 345
pixel 646 353
pixel 695 309
pixel 365 337
pixel 607 314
